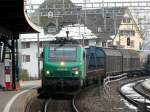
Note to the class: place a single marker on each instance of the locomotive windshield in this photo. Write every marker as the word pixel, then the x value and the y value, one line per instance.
pixel 62 53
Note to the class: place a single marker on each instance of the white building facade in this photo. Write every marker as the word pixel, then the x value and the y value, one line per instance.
pixel 29 54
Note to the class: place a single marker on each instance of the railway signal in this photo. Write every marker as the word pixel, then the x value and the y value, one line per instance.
pixel 128 41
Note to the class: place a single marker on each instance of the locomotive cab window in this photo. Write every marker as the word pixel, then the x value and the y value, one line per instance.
pixel 62 53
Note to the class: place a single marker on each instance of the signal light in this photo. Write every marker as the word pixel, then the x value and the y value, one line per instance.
pixel 128 41
pixel 47 72
pixel 75 70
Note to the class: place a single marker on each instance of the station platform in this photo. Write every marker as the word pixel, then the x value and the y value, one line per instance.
pixel 15 101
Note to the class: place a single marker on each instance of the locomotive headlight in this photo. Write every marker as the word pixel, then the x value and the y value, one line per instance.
pixel 76 72
pixel 47 72
pixel 62 63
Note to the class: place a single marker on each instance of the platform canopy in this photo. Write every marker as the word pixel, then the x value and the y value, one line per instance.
pixel 13 19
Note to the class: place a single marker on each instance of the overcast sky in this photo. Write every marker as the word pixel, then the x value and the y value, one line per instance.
pixel 82 1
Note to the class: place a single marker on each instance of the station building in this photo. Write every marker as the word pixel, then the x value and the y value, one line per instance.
pixel 128 35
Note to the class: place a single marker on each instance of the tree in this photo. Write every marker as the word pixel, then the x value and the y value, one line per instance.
pixel 24 75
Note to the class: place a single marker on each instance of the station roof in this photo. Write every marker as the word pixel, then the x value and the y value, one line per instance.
pixel 13 19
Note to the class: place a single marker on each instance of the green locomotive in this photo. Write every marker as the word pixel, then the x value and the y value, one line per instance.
pixel 63 66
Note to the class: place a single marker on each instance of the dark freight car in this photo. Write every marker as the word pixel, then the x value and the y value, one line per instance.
pixel 114 61
pixel 95 62
pixel 126 56
pixel 108 60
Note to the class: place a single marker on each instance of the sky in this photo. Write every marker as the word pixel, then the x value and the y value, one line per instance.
pixel 82 1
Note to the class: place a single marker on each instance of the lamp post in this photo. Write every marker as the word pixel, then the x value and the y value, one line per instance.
pixel 38 51
pixel 119 40
pixel 67 32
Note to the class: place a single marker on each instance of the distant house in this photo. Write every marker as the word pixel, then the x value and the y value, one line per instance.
pixel 128 36
pixel 29 53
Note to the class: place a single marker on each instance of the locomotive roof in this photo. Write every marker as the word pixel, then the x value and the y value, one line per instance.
pixel 66 45
pixel 64 40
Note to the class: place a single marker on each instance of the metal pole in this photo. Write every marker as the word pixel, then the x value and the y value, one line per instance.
pixel 67 32
pixel 38 51
pixel 83 40
pixel 85 18
pixel 13 65
pixel 17 58
pixel 3 54
pixel 119 40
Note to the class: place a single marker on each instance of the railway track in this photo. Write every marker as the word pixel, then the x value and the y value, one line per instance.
pixel 58 103
pixel 50 105
pixel 66 105
pixel 55 105
pixel 75 103
pixel 133 92
pixel 63 103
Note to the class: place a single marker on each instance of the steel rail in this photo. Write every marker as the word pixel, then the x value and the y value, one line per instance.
pixel 126 97
pixel 74 105
pixel 46 105
pixel 75 109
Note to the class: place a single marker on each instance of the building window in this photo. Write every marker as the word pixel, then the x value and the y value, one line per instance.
pixel 103 44
pixel 126 20
pixel 25 45
pixel 132 43
pixel 127 33
pixel 26 58
pixel 99 29
pixel 41 44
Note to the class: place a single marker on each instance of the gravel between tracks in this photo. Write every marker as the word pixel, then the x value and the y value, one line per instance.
pixel 59 106
pixel 35 105
pixel 112 102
